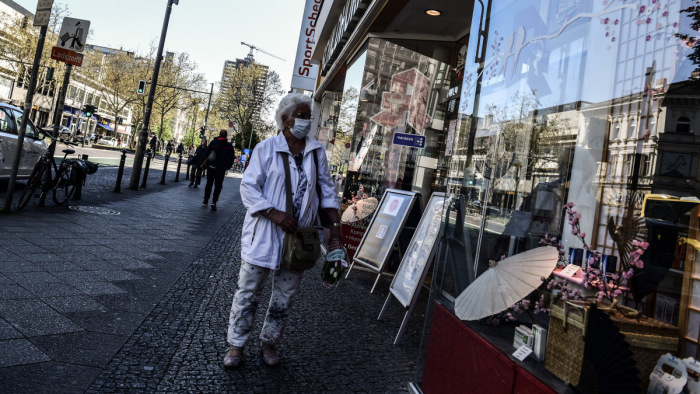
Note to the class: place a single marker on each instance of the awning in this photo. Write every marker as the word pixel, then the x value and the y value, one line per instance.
pixel 106 127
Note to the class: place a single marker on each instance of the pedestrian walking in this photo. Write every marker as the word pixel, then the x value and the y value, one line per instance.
pixel 154 144
pixel 218 158
pixel 180 149
pixel 169 148
pixel 196 161
pixel 264 194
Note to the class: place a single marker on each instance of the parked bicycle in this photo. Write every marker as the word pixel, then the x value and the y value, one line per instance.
pixel 69 175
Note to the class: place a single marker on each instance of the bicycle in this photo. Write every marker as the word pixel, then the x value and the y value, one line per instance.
pixel 63 185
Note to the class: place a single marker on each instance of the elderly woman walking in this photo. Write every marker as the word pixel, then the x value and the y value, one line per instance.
pixel 266 221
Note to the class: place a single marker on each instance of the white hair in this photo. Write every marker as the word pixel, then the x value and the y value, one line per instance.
pixel 288 104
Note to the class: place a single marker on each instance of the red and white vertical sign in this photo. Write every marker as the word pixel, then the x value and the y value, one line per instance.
pixel 304 75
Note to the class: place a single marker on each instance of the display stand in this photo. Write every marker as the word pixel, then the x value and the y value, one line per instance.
pixel 415 263
pixel 383 231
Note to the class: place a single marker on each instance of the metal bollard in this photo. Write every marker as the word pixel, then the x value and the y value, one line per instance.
pixel 179 164
pixel 120 173
pixel 165 168
pixel 145 171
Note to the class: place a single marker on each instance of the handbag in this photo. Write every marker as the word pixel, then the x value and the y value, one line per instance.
pixel 301 249
pixel 211 159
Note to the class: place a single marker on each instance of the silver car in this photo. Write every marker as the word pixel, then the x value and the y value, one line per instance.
pixel 34 145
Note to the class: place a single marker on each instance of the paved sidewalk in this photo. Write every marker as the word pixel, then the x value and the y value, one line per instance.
pixel 139 302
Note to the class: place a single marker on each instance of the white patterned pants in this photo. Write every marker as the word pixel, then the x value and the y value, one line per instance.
pixel 251 280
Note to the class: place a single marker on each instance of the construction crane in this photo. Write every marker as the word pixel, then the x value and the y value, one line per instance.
pixel 253 47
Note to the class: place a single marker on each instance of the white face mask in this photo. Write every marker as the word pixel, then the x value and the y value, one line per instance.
pixel 301 128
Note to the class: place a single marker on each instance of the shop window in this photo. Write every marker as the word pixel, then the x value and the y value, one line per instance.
pixel 522 179
pixel 683 125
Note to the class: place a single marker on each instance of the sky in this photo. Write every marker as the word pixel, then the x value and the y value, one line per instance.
pixel 211 31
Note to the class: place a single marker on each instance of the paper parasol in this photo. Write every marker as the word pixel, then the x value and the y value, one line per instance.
pixel 505 283
pixel 359 210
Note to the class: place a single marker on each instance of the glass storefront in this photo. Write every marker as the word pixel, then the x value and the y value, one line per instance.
pixel 396 90
pixel 574 128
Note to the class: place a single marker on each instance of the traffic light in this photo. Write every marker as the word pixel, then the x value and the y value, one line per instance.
pixel 89 110
pixel 142 87
pixel 201 132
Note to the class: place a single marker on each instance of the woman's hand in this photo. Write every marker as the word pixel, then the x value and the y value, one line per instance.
pixel 282 219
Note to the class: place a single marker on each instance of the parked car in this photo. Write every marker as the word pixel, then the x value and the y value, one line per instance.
pixel 491 211
pixel 109 141
pixel 63 131
pixel 34 144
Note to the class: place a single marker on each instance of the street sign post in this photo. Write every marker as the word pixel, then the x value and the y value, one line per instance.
pixel 42 17
pixel 43 13
pixel 412 140
pixel 44 5
pixel 66 56
pixel 73 34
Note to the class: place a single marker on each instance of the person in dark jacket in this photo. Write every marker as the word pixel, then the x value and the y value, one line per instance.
pixel 217 166
pixel 154 144
pixel 197 159
pixel 180 149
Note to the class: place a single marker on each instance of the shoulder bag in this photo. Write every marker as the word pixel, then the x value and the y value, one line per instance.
pixel 302 249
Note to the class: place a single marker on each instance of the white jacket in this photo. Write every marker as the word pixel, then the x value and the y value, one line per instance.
pixel 263 187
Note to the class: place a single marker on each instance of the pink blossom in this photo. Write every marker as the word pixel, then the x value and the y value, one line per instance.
pixel 628 274
pixel 582 235
pixel 574 231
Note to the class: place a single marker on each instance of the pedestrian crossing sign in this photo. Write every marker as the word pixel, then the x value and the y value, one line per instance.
pixel 73 34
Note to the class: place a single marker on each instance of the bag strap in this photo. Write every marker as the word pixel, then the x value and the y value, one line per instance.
pixel 318 187
pixel 288 185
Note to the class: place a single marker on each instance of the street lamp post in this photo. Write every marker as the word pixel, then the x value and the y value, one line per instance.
pixel 143 135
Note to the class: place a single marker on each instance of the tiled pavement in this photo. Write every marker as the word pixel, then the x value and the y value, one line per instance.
pixel 138 301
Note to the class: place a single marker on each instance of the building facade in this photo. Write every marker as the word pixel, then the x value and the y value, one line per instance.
pixel 541 119
pixel 257 90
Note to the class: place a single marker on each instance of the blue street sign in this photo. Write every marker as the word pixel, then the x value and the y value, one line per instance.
pixel 412 140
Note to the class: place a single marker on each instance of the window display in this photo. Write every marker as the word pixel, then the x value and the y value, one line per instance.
pixel 576 130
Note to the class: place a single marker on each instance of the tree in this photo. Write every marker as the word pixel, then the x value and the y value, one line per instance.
pixel 692 41
pixel 242 138
pixel 243 97
pixel 346 109
pixel 176 73
pixel 18 42
pixel 118 79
